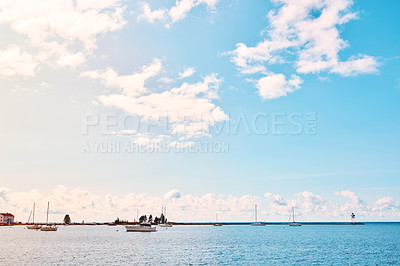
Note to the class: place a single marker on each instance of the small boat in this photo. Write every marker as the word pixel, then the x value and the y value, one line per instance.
pixel 255 215
pixel 164 222
pixel 33 226
pixel 258 224
pixel 216 220
pixel 48 227
pixel 294 223
pixel 165 225
pixel 143 227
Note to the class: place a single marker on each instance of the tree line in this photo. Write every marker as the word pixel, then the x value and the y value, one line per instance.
pixel 147 219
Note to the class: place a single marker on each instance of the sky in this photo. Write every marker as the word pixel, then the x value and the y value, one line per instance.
pixel 208 107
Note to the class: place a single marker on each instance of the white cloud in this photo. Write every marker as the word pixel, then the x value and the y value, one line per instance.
pixel 354 66
pixel 177 12
pixel 59 33
pixel 351 195
pixel 276 85
pixel 83 204
pixel 132 85
pixel 152 16
pixel 310 207
pixel 14 62
pixel 276 199
pixel 188 107
pixel 308 30
pixel 166 80
pixel 385 204
pixel 187 72
pixel 173 194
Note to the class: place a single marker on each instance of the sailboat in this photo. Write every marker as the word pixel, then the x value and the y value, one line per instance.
pixel 142 227
pixel 255 215
pixel 48 226
pixel 294 223
pixel 165 225
pixel 216 219
pixel 164 212
pixel 33 226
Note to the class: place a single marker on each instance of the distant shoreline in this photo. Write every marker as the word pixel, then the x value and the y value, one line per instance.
pixel 202 223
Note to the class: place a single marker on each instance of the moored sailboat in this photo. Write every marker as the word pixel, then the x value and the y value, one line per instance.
pixel 164 222
pixel 294 223
pixel 143 227
pixel 216 220
pixel 48 226
pixel 255 215
pixel 33 226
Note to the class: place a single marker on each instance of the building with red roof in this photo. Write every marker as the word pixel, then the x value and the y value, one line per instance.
pixel 6 218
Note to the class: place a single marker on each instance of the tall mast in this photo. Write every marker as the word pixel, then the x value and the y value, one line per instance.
pixel 255 211
pixel 29 218
pixel 47 217
pixel 293 213
pixel 33 219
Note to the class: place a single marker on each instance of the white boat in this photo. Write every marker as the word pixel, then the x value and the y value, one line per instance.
pixel 48 227
pixel 294 223
pixel 165 225
pixel 216 220
pixel 164 214
pixel 33 226
pixel 143 227
pixel 255 215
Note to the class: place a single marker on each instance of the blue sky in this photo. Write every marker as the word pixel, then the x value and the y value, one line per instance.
pixel 125 61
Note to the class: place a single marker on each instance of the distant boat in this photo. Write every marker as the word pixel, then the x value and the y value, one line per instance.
pixel 48 226
pixel 255 215
pixel 164 212
pixel 216 220
pixel 165 225
pixel 143 227
pixel 111 224
pixel 34 226
pixel 294 223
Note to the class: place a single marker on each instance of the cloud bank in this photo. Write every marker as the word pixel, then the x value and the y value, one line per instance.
pixel 306 32
pixel 177 12
pixel 85 205
pixel 189 107
pixel 54 33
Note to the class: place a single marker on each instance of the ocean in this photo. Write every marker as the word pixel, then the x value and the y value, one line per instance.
pixel 369 244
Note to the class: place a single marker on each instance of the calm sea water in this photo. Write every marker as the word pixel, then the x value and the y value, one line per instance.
pixel 371 244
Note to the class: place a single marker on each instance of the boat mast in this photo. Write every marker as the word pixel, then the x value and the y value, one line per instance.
pixel 255 211
pixel 29 218
pixel 293 213
pixel 33 218
pixel 47 217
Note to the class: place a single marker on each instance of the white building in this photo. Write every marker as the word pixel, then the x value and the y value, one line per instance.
pixel 6 218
